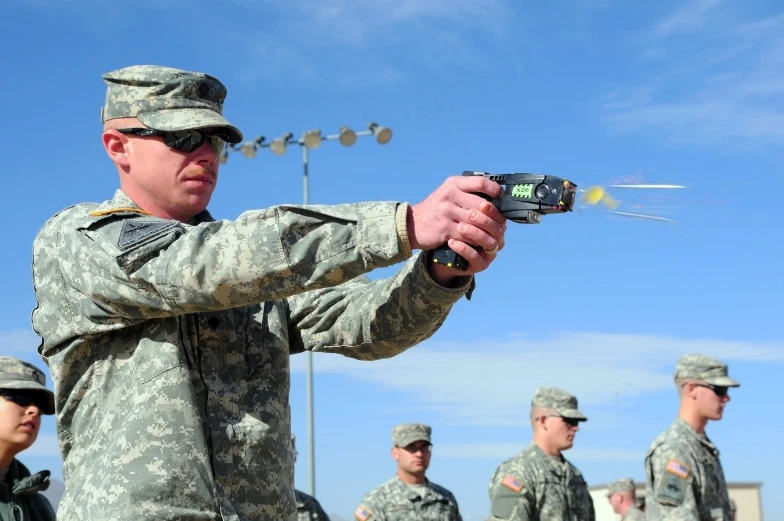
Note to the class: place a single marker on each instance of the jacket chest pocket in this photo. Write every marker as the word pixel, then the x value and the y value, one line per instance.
pixel 402 513
pixel 438 510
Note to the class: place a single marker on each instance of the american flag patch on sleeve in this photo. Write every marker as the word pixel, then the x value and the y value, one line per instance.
pixel 513 483
pixel 361 513
pixel 677 468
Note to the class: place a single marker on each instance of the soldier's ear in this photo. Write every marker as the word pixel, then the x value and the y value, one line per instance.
pixel 395 453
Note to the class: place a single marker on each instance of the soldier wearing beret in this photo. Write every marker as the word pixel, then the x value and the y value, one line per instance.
pixel 23 399
pixel 168 332
pixel 685 480
pixel 539 484
pixel 623 499
pixel 409 496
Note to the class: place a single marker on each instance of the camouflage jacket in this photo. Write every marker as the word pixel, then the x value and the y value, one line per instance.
pixel 396 501
pixel 20 495
pixel 685 480
pixel 308 508
pixel 168 345
pixel 532 486
pixel 633 514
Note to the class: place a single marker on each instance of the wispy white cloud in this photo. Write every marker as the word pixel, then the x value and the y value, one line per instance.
pixel 692 15
pixel 480 382
pixel 354 43
pixel 501 451
pixel 712 80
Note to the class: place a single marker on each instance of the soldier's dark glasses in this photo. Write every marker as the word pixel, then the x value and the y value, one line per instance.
pixel 24 398
pixel 413 448
pixel 183 140
pixel 572 422
pixel 720 391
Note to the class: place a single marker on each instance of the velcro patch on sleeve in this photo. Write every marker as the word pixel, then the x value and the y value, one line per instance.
pixel 678 468
pixel 362 513
pixel 136 231
pixel 512 483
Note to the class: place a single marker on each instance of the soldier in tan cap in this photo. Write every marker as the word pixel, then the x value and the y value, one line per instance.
pixel 168 332
pixel 23 399
pixel 623 498
pixel 409 496
pixel 539 484
pixel 685 479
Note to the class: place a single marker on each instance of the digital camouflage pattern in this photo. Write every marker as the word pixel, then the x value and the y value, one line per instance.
pixel 704 368
pixel 164 98
pixel 533 486
pixel 407 433
pixel 308 508
pixel 685 480
pixel 168 344
pixel 397 501
pixel 18 374
pixel 559 401
pixel 633 514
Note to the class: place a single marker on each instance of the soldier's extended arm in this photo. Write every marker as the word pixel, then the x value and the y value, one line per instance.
pixel 673 486
pixel 134 266
pixel 371 320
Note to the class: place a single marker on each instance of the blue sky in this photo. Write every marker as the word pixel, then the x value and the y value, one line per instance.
pixel 595 91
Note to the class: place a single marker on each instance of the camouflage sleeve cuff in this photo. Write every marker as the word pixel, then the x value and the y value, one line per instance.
pixel 435 290
pixel 401 217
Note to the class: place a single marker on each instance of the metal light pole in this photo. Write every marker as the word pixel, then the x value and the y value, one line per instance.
pixel 311 139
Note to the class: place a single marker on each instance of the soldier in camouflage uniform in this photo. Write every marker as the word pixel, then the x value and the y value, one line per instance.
pixel 23 399
pixel 623 499
pixel 539 484
pixel 685 480
pixel 308 507
pixel 409 496
pixel 168 332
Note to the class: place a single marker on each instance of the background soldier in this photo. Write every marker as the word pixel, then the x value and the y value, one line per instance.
pixel 23 399
pixel 685 480
pixel 409 496
pixel 623 499
pixel 539 484
pixel 168 332
pixel 308 507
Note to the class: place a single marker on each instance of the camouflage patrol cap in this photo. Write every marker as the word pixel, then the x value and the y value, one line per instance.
pixel 167 99
pixel 559 400
pixel 20 375
pixel 407 433
pixel 621 485
pixel 704 368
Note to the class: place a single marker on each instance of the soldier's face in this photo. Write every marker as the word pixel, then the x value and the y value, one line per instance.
pixel 562 431
pixel 414 458
pixel 711 400
pixel 168 182
pixel 19 422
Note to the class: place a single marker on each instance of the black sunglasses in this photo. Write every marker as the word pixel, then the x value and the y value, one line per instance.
pixel 413 448
pixel 183 140
pixel 720 391
pixel 25 398
pixel 572 422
